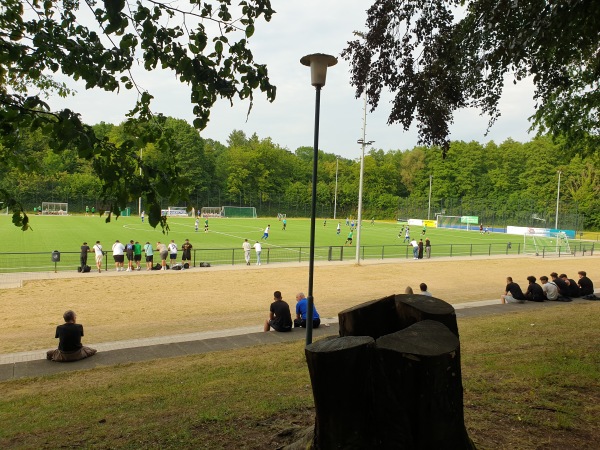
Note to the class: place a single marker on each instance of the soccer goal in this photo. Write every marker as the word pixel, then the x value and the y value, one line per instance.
pixel 546 244
pixel 457 222
pixel 281 216
pixel 55 209
pixel 239 211
pixel 211 211
pixel 175 211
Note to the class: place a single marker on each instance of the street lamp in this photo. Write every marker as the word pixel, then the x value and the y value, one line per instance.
pixel 363 143
pixel 557 200
pixel 318 63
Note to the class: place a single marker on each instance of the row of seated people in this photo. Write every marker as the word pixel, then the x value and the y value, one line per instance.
pixel 558 288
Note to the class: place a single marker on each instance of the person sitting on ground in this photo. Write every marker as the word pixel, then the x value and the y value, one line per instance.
pixel 69 341
pixel 408 290
pixel 586 287
pixel 280 318
pixel 563 287
pixel 512 293
pixel 572 286
pixel 534 291
pixel 549 288
pixel 302 310
pixel 424 290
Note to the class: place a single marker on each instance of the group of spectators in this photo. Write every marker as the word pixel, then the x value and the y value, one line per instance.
pixel 557 288
pixel 280 317
pixel 422 290
pixel 133 251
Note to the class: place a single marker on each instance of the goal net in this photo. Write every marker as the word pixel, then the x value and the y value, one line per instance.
pixel 281 216
pixel 211 211
pixel 55 209
pixel 239 211
pixel 175 211
pixel 457 222
pixel 546 244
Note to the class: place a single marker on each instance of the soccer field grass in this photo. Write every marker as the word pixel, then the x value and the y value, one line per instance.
pixel 66 234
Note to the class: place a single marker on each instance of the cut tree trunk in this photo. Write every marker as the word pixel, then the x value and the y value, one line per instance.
pixel 341 373
pixel 392 380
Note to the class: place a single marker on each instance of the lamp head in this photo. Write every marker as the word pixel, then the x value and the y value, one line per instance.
pixel 318 63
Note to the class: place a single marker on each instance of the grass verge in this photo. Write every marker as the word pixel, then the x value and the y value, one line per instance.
pixel 531 381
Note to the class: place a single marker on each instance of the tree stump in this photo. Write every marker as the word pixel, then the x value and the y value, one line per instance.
pixel 375 318
pixel 341 373
pixel 415 308
pixel 392 380
pixel 393 313
pixel 419 394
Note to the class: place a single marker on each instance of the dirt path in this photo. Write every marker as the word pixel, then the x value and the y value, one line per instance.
pixel 118 306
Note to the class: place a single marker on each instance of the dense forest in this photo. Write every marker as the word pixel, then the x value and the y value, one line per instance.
pixel 509 183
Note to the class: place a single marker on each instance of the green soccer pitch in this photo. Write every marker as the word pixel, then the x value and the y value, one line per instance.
pixel 67 233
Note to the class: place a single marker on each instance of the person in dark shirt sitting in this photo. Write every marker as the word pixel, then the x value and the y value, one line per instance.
pixel 534 291
pixel 512 293
pixel 572 287
pixel 280 318
pixel 586 287
pixel 69 341
pixel 563 287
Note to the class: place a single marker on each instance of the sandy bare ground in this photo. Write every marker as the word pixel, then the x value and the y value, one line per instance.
pixel 118 306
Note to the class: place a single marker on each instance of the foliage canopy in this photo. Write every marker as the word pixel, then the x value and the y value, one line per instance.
pixel 435 63
pixel 204 45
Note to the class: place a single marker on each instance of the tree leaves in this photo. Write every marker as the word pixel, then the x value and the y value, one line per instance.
pixel 435 64
pixel 54 36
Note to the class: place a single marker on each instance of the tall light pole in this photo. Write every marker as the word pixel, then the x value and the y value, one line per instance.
pixel 363 144
pixel 557 200
pixel 429 207
pixel 335 195
pixel 318 64
pixel 140 199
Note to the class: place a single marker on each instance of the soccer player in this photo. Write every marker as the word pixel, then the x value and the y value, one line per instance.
pixel 338 229
pixel 265 235
pixel 349 238
pixel 197 224
pixel 284 223
pixel 206 225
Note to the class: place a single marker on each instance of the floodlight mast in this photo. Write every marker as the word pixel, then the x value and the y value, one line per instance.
pixel 363 142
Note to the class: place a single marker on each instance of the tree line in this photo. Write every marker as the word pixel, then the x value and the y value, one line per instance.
pixel 508 183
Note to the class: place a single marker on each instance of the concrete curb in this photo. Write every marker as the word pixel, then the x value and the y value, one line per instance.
pixel 34 364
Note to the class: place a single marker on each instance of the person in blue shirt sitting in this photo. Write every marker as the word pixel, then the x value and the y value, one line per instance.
pixel 301 310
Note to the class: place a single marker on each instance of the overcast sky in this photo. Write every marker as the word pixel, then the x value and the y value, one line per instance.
pixel 300 28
